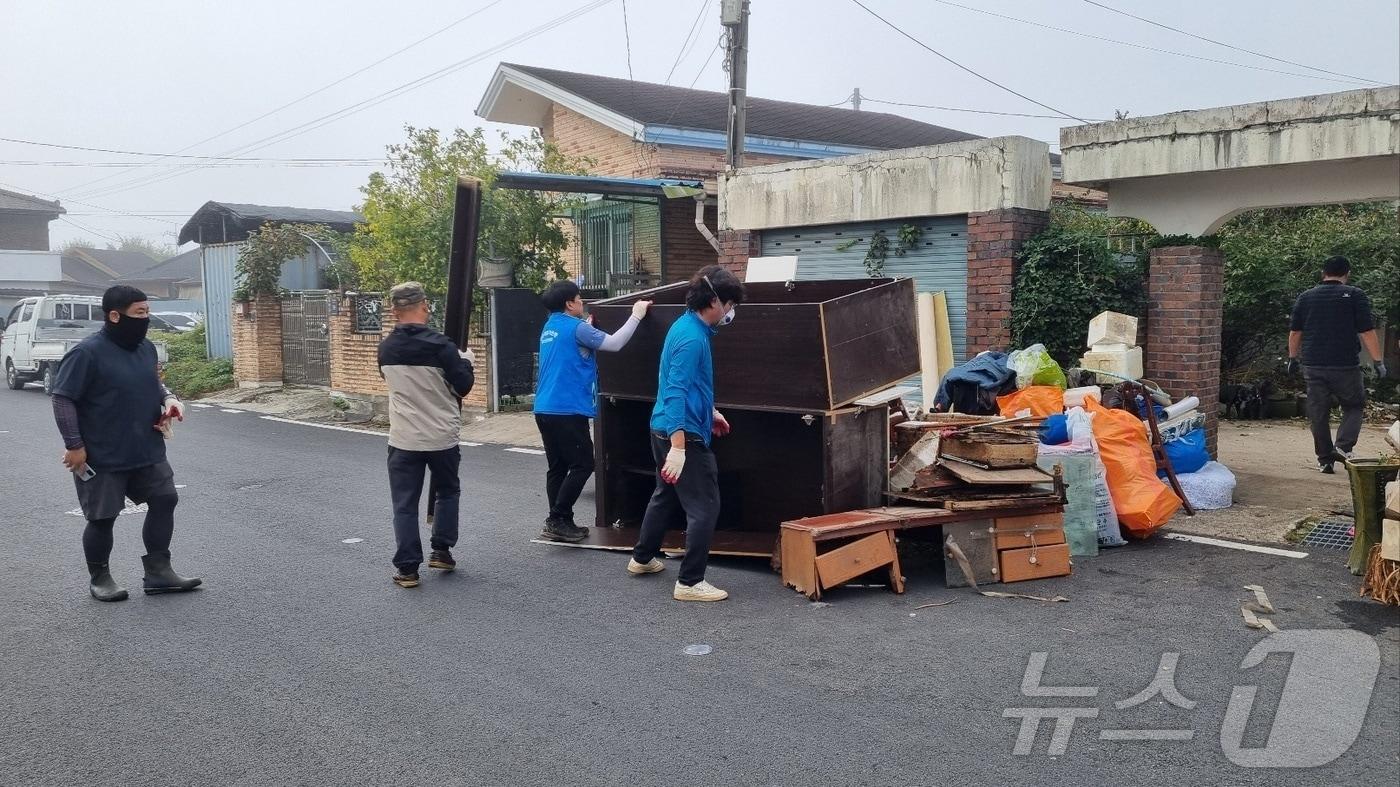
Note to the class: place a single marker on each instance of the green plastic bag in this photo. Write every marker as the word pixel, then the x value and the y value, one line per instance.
pixel 1034 366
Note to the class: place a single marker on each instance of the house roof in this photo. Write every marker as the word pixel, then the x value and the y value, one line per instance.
pixel 15 202
pixel 115 263
pixel 229 222
pixel 516 91
pixel 181 267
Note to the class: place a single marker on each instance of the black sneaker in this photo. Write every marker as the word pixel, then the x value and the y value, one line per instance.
pixel 1325 465
pixel 560 530
pixel 406 579
pixel 442 559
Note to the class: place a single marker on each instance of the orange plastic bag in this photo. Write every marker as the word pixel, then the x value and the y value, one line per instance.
pixel 1143 502
pixel 1041 400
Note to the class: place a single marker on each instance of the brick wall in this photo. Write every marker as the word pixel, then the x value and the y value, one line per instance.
pixel 1182 348
pixel 24 231
pixel 355 360
pixel 736 247
pixel 613 153
pixel 257 342
pixel 993 240
pixel 687 251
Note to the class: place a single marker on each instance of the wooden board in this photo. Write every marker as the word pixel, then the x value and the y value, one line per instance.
pixel 1050 561
pixel 992 450
pixel 976 475
pixel 944 333
pixel 1040 535
pixel 799 563
pixel 863 555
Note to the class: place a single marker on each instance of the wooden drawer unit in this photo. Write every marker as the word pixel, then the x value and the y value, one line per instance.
pixel 1025 531
pixel 1034 562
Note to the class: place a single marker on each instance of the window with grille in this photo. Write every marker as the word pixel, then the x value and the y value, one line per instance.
pixel 606 232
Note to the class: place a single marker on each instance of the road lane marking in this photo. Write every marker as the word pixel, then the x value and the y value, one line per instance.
pixel 232 411
pixel 201 406
pixel 531 451
pixel 469 444
pixel 351 540
pixel 1217 542
pixel 338 428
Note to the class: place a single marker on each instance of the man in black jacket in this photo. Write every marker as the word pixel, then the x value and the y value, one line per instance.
pixel 111 408
pixel 427 377
pixel 1330 322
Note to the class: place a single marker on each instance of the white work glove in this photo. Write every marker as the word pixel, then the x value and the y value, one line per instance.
pixel 719 426
pixel 639 309
pixel 468 355
pixel 675 462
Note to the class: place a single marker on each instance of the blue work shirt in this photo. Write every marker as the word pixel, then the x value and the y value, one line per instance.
pixel 119 397
pixel 685 395
pixel 568 381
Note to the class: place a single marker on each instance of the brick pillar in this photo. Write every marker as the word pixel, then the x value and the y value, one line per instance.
pixel 1181 352
pixel 993 240
pixel 355 356
pixel 736 247
pixel 257 342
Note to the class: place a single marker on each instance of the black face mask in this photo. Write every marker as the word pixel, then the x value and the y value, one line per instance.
pixel 127 332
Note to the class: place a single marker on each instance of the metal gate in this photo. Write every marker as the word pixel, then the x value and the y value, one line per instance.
pixel 306 344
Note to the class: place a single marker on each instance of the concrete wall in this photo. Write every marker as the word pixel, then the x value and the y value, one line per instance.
pixel 30 268
pixel 24 231
pixel 939 180
pixel 1187 172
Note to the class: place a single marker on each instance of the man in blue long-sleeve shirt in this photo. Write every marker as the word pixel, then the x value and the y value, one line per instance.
pixel 682 421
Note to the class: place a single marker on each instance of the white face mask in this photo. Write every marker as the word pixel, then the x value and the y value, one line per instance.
pixel 728 317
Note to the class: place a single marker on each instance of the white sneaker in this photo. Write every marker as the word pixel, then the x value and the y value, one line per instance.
pixel 650 567
pixel 700 591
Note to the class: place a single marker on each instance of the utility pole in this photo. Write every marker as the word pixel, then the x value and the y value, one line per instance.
pixel 734 15
pixel 855 99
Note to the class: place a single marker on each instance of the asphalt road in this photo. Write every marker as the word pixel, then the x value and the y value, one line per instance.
pixel 300 663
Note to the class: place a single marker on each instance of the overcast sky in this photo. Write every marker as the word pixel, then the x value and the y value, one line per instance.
pixel 161 75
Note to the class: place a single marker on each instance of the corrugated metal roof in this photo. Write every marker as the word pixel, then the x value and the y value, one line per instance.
pixel 232 221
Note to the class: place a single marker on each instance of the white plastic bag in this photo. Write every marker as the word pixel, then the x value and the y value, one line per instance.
pixel 1209 488
pixel 1081 434
pixel 1034 366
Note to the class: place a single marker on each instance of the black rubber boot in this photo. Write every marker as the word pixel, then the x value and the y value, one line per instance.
pixel 103 587
pixel 161 578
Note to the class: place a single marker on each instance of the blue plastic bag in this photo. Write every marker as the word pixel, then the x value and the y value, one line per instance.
pixel 1187 453
pixel 1054 430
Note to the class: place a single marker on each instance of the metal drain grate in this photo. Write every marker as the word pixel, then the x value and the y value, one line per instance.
pixel 1331 534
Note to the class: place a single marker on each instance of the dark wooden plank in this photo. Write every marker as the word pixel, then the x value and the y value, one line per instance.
pixel 976 475
pixel 872 340
pixel 857 459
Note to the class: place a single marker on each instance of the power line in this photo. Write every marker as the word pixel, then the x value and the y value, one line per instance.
pixel 627 36
pixel 149 154
pixel 964 109
pixel 704 66
pixel 320 89
pixel 60 198
pixel 88 229
pixel 1132 44
pixel 848 98
pixel 986 79
pixel 360 106
pixel 293 163
pixel 687 42
pixel 1231 46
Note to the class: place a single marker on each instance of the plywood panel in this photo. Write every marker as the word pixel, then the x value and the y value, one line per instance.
pixel 872 341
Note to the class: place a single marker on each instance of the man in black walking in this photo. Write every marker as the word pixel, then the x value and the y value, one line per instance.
pixel 427 377
pixel 111 409
pixel 1330 324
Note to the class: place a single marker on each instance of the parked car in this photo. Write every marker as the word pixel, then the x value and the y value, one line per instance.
pixel 180 321
pixel 40 331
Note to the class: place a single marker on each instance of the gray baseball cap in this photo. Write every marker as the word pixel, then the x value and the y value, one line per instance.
pixel 407 294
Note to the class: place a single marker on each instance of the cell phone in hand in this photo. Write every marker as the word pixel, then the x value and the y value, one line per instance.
pixel 87 473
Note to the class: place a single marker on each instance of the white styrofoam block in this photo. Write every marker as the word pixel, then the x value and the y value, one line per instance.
pixel 1113 328
pixel 1127 363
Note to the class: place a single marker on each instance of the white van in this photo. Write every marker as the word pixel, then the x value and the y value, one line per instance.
pixel 39 331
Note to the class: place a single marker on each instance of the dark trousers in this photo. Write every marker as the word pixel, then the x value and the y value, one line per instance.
pixel 103 496
pixel 406 470
pixel 1324 383
pixel 568 449
pixel 695 496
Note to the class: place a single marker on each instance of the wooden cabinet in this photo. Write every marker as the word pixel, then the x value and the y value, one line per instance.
pixel 773 466
pixel 812 346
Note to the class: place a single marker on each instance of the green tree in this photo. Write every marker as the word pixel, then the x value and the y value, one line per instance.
pixel 1272 255
pixel 407 232
pixel 1068 274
